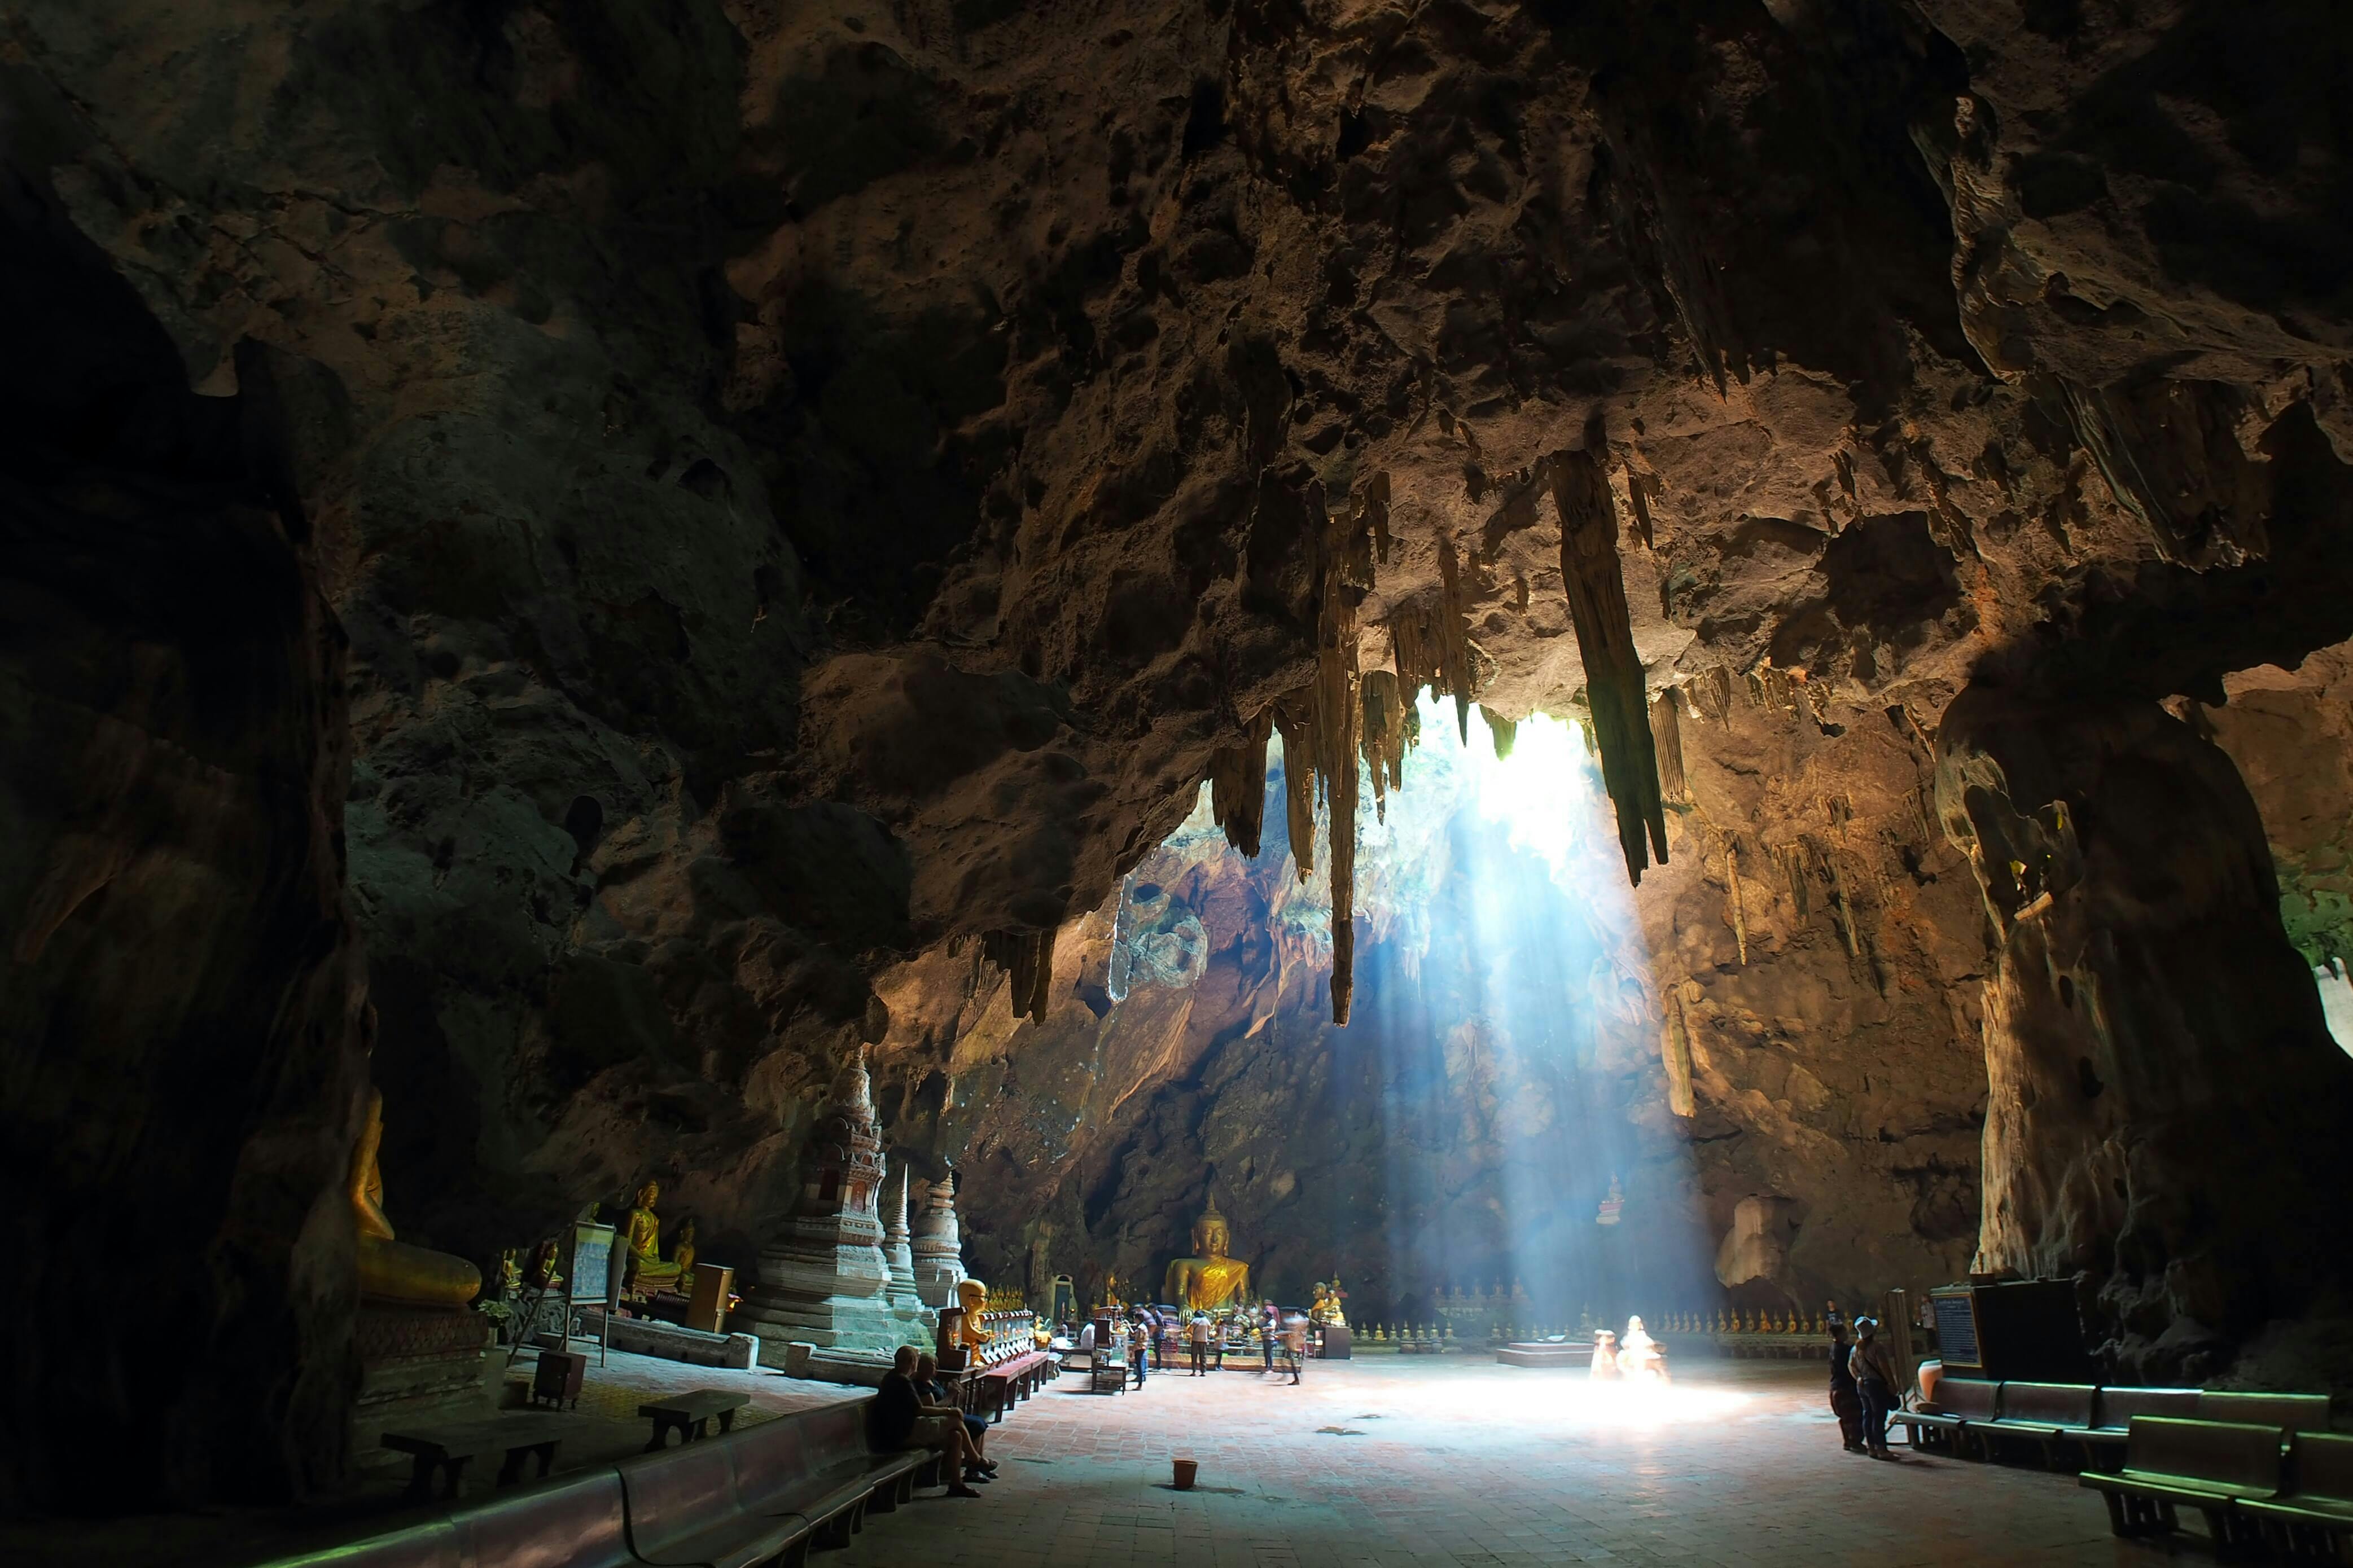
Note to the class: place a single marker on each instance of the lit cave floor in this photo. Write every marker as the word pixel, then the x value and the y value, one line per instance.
pixel 1431 1463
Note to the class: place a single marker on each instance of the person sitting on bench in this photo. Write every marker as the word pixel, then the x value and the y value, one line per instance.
pixel 934 1395
pixel 902 1423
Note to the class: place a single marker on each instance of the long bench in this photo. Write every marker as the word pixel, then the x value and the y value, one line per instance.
pixel 998 1388
pixel 2314 1513
pixel 765 1494
pixel 2102 1439
pixel 2172 1463
pixel 1959 1402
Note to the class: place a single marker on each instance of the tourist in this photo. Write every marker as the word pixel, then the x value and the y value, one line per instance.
pixel 902 1423
pixel 1225 1332
pixel 1875 1377
pixel 1846 1403
pixel 1139 1341
pixel 1270 1323
pixel 1294 1343
pixel 934 1395
pixel 1199 1332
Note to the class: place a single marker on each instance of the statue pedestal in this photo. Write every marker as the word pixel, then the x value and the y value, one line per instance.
pixel 1338 1344
pixel 418 1366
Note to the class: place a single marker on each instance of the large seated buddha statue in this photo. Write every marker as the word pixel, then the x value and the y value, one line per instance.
pixel 1211 1280
pixel 644 1273
pixel 391 1270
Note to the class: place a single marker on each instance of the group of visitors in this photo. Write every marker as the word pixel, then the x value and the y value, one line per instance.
pixel 1863 1382
pixel 1151 1335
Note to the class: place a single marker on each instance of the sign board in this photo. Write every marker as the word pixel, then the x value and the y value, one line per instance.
pixel 594 1275
pixel 1956 1330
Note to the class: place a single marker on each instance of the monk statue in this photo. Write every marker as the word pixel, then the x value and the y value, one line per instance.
pixel 973 1297
pixel 682 1253
pixel 1211 1280
pixel 393 1270
pixel 645 1272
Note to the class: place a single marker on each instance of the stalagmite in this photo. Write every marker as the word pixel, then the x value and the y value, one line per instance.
pixel 1238 785
pixel 1667 741
pixel 1028 958
pixel 1605 638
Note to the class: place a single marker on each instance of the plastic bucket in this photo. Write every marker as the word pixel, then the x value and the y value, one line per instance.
pixel 1185 1470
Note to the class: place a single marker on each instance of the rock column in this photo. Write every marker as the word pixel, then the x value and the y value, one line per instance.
pixel 2162 1092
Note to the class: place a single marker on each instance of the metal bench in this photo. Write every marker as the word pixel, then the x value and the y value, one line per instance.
pixel 578 1521
pixel 1960 1400
pixel 2102 1439
pixel 690 1415
pixel 2297 1412
pixel 2172 1463
pixel 447 1450
pixel 2038 1413
pixel 683 1512
pixel 2314 1513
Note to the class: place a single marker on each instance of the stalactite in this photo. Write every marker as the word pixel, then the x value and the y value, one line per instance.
pixel 1739 909
pixel 1507 732
pixel 1793 867
pixel 1845 905
pixel 1674 1051
pixel 1346 575
pixel 1028 958
pixel 1605 638
pixel 1238 785
pixel 1454 634
pixel 1386 736
pixel 1667 741
pixel 1298 733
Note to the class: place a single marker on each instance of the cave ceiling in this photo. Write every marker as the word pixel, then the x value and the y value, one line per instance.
pixel 813 488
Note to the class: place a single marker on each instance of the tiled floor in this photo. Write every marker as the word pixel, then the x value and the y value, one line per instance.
pixel 1434 1463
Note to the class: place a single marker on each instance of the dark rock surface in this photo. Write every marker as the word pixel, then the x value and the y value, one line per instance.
pixel 180 1048
pixel 811 489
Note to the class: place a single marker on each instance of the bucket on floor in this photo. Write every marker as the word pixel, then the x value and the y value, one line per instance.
pixel 1185 1470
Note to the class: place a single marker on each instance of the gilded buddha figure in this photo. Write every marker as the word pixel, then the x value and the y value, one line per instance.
pixel 389 1270
pixel 646 1272
pixel 1211 1279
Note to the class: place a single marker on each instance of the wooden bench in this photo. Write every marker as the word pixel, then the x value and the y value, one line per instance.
pixel 449 1450
pixel 2038 1413
pixel 2102 1440
pixel 1006 1384
pixel 1960 1402
pixel 2314 1513
pixel 2172 1463
pixel 690 1415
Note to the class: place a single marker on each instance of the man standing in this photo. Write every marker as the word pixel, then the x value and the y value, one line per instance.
pixel 1294 1343
pixel 1846 1401
pixel 1270 1323
pixel 1199 1330
pixel 1873 1365
pixel 1139 1344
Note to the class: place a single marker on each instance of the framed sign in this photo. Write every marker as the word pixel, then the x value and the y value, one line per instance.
pixel 593 1277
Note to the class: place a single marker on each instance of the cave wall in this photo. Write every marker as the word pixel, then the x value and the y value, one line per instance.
pixel 810 489
pixel 181 1040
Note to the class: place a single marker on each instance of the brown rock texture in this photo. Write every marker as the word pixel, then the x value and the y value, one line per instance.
pixel 812 489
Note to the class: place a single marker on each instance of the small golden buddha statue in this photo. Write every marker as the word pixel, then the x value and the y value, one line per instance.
pixel 392 1270
pixel 646 1272
pixel 1211 1280
pixel 681 1252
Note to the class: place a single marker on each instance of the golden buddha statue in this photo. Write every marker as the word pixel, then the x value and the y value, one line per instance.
pixel 1211 1280
pixel 681 1252
pixel 392 1270
pixel 1324 1306
pixel 645 1271
pixel 973 1297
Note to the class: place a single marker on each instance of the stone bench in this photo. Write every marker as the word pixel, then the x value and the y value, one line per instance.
pixel 2172 1463
pixel 2314 1513
pixel 447 1450
pixel 690 1415
pixel 580 1521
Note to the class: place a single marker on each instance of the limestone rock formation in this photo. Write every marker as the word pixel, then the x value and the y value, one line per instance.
pixel 812 489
